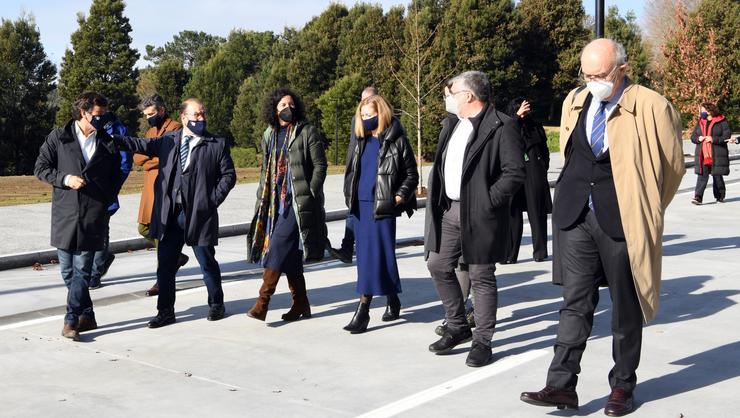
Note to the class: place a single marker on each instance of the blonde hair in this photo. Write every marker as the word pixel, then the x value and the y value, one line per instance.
pixel 380 105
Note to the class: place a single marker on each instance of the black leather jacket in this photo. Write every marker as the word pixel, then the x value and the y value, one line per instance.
pixel 397 174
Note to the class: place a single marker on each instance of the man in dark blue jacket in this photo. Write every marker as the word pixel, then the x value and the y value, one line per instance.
pixel 104 258
pixel 81 163
pixel 196 174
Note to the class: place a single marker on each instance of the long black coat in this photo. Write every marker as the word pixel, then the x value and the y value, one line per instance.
pixel 720 154
pixel 534 196
pixel 493 170
pixel 79 218
pixel 211 177
pixel 397 174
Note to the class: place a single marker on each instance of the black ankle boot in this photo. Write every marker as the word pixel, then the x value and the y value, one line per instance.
pixel 359 322
pixel 392 309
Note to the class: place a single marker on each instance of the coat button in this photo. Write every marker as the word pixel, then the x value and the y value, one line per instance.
pixel 567 128
pixel 592 183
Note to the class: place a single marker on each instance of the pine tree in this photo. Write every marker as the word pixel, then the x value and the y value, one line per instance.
pixel 102 60
pixel 217 81
pixel 550 36
pixel 27 80
pixel 338 105
pixel 626 31
pixel 188 47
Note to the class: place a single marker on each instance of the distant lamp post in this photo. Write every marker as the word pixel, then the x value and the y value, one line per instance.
pixel 599 18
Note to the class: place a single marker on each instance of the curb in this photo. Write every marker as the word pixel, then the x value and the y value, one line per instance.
pixel 13 261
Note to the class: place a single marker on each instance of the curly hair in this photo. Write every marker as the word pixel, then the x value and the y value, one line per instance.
pixel 269 107
pixel 712 108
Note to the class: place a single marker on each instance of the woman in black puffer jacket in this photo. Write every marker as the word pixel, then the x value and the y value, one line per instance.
pixel 711 156
pixel 379 185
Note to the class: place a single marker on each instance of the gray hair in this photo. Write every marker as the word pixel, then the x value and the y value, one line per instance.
pixel 477 82
pixel 620 55
pixel 152 100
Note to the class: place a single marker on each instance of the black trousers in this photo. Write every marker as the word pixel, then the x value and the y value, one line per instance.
pixel 538 225
pixel 718 184
pixel 168 253
pixel 589 255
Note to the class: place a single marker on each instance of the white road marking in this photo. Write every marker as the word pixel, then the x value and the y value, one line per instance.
pixel 448 387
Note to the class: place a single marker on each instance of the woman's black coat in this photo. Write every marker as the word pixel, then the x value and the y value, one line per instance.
pixel 534 196
pixel 397 173
pixel 720 154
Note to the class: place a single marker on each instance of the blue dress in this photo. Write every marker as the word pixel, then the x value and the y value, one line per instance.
pixel 284 253
pixel 377 270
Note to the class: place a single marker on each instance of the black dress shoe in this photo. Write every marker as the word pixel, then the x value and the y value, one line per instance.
pixel 550 396
pixel 106 265
pixel 216 312
pixel 441 329
pixel 392 309
pixel 341 254
pixel 480 355
pixel 451 339
pixel 619 403
pixel 163 318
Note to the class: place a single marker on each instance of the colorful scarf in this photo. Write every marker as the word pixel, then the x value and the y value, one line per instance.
pixel 273 199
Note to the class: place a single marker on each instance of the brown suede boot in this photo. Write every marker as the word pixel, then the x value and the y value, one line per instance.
pixel 270 279
pixel 70 331
pixel 301 308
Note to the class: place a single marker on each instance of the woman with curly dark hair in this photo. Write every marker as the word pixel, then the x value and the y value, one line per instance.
pixel 289 224
pixel 711 136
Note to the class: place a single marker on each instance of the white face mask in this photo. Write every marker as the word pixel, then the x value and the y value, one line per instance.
pixel 451 105
pixel 600 89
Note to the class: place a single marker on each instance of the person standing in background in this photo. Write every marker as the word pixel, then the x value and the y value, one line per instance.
pixel 534 195
pixel 155 112
pixel 711 157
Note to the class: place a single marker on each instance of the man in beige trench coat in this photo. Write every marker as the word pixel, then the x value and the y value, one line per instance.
pixel 623 165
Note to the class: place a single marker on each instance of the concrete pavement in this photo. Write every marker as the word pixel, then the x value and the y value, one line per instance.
pixel 241 367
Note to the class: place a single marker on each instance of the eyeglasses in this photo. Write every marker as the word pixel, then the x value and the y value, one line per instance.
pixel 457 92
pixel 591 77
pixel 195 115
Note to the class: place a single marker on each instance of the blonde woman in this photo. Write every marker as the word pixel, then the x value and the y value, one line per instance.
pixel 379 185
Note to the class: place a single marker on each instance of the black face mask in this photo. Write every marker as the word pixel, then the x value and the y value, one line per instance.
pixel 155 120
pixel 197 127
pixel 369 125
pixel 99 122
pixel 286 115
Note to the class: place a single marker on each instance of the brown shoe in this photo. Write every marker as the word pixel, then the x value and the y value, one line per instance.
pixel 270 279
pixel 619 403
pixel 301 308
pixel 86 323
pixel 154 290
pixel 70 331
pixel 550 396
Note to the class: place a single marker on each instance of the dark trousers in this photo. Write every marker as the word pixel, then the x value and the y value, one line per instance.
pixel 718 184
pixel 587 256
pixel 442 266
pixel 538 225
pixel 348 242
pixel 168 252
pixel 76 267
pixel 101 256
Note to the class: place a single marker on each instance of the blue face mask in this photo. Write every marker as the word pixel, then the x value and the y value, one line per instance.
pixel 198 127
pixel 370 124
pixel 703 115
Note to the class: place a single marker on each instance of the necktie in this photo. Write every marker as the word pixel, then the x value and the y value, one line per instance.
pixel 598 130
pixel 184 150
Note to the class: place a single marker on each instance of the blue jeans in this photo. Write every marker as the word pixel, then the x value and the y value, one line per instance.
pixel 168 252
pixel 76 268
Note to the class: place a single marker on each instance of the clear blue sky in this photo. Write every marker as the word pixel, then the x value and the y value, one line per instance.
pixel 57 20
